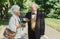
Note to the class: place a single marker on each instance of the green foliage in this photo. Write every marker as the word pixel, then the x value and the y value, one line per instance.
pixel 26 6
pixel 55 5
pixel 58 17
pixel 3 1
pixel 50 7
pixel 51 15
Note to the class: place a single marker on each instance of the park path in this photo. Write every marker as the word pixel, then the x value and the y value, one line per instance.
pixel 1 32
pixel 50 33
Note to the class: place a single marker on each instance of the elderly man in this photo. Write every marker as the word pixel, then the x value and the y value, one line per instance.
pixel 36 25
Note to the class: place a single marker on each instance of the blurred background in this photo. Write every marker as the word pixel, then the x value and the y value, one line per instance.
pixel 50 8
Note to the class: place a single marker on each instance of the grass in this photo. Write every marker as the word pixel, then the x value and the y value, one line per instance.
pixel 54 23
pixel 1 27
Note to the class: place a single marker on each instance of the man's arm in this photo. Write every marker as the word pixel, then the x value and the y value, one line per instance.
pixel 26 15
pixel 42 22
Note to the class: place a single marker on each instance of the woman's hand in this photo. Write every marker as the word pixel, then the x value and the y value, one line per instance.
pixel 22 24
pixel 19 26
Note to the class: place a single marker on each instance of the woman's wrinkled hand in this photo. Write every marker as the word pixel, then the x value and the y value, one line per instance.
pixel 18 27
pixel 23 24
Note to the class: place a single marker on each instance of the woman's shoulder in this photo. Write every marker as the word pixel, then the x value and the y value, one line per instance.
pixel 12 18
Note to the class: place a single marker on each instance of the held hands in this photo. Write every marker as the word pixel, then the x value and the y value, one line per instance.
pixel 22 24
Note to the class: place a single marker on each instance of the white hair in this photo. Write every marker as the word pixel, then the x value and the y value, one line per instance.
pixel 14 8
pixel 33 4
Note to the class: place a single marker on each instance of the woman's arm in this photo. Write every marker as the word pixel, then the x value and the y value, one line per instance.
pixel 12 26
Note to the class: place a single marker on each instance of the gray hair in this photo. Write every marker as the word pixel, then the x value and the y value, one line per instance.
pixel 14 8
pixel 34 4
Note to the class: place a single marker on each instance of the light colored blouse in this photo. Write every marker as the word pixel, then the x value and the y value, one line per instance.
pixel 15 20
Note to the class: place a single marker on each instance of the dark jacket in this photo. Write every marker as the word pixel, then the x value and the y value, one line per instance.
pixel 40 23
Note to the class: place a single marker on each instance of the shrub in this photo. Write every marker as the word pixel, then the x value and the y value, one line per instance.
pixel 51 15
pixel 58 17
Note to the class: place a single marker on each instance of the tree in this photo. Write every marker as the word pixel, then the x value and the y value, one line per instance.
pixel 3 6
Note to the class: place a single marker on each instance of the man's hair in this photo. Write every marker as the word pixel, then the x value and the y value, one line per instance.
pixel 34 4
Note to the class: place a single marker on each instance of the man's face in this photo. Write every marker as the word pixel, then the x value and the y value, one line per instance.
pixel 33 8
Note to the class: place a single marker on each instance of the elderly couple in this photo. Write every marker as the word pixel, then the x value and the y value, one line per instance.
pixel 36 25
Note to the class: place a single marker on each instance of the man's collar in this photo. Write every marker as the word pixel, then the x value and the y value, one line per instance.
pixel 34 13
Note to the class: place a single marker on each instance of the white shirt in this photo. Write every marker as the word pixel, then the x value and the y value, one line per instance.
pixel 15 20
pixel 32 16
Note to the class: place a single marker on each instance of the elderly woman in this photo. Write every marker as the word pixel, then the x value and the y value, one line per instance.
pixel 14 21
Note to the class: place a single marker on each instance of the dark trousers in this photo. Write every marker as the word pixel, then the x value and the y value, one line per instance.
pixel 37 34
pixel 33 34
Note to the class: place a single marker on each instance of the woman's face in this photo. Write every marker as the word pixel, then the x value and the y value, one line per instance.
pixel 17 12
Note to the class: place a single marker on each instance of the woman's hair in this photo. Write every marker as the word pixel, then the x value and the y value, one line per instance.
pixel 14 8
